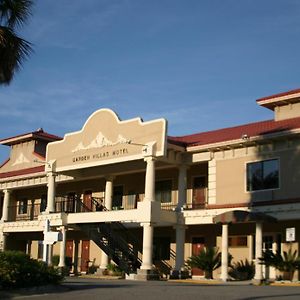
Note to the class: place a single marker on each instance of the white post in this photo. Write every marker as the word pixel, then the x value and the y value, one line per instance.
pixel 45 246
pixel 6 201
pixel 258 251
pixel 180 241
pixel 182 185
pixel 224 257
pixel 147 246
pixel 63 243
pixel 150 179
pixel 108 192
pixel 51 192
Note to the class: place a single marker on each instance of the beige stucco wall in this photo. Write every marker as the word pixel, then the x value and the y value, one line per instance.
pixel 231 173
pixel 22 156
pixel 287 111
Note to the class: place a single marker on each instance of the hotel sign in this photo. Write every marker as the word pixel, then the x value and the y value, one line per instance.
pixel 105 139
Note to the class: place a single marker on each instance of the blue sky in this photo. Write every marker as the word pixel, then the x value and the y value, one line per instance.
pixel 201 64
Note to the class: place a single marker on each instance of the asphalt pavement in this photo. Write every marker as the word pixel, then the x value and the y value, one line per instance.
pixel 95 288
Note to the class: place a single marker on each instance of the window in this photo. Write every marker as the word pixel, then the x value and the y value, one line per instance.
pixel 117 200
pixel 23 205
pixel 43 205
pixel 237 241
pixel 163 191
pixel 263 175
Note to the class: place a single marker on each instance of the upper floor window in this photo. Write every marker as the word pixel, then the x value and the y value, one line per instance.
pixel 263 175
pixel 43 204
pixel 163 191
pixel 23 205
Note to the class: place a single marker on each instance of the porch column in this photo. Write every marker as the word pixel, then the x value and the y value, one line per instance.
pixel 224 257
pixel 182 185
pixel 147 246
pixel 3 241
pixel 51 192
pixel 28 247
pixel 6 201
pixel 62 252
pixel 258 251
pixel 109 192
pixel 180 240
pixel 150 179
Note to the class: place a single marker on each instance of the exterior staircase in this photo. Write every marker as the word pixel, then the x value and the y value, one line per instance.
pixel 113 238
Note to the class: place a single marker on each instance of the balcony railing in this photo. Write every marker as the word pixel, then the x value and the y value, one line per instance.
pixel 27 213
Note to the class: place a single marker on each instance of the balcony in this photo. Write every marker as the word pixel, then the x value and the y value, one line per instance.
pixel 27 212
pixel 199 201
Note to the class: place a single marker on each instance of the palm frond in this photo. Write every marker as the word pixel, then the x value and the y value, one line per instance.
pixel 14 13
pixel 13 51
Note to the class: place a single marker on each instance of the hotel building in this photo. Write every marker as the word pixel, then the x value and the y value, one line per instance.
pixel 125 191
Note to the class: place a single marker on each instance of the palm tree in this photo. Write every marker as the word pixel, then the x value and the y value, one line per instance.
pixel 13 49
pixel 209 259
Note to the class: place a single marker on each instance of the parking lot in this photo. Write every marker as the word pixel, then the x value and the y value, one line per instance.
pixel 92 288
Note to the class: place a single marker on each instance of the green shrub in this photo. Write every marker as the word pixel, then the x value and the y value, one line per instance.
pixel 55 261
pixel 242 270
pixel 114 270
pixel 18 270
pixel 287 263
pixel 208 260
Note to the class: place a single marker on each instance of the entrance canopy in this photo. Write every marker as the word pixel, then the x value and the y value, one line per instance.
pixel 105 139
pixel 241 216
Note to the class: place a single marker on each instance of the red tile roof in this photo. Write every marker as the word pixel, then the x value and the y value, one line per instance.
pixel 291 92
pixel 38 134
pixel 22 172
pixel 234 133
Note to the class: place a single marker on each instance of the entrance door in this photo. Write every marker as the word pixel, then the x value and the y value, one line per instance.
pixel 197 245
pixel 87 200
pixel 199 192
pixel 85 255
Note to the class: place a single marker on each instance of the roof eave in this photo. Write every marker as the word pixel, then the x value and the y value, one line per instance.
pixel 240 141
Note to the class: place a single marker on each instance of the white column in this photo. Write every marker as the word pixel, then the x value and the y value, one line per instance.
pixel 108 192
pixel 224 257
pixel 62 252
pixel 147 246
pixel 108 205
pixel 28 247
pixel 258 251
pixel 6 201
pixel 150 179
pixel 180 241
pixel 3 241
pixel 182 186
pixel 51 192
